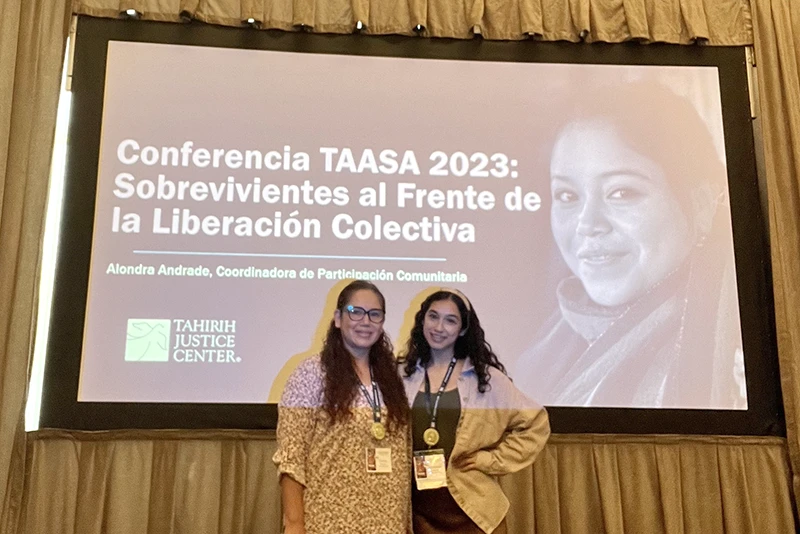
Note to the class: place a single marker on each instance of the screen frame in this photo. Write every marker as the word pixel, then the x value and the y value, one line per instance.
pixel 60 408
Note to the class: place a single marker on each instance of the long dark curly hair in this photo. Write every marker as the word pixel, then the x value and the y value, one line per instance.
pixel 473 343
pixel 341 380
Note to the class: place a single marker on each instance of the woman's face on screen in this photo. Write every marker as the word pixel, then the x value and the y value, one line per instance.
pixel 616 221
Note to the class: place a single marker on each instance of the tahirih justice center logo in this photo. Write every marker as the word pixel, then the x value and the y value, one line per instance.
pixel 194 340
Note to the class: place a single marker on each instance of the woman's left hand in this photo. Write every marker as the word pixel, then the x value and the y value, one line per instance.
pixel 464 462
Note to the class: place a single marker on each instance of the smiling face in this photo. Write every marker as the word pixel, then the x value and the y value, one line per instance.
pixel 359 336
pixel 617 223
pixel 442 325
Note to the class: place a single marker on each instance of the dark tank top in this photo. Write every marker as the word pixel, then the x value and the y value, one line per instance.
pixel 446 420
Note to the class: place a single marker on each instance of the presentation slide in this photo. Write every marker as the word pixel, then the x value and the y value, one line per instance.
pixel 583 209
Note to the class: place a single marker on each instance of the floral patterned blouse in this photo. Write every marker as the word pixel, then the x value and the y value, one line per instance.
pixel 331 461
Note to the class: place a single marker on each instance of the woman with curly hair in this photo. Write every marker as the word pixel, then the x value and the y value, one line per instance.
pixel 343 428
pixel 470 424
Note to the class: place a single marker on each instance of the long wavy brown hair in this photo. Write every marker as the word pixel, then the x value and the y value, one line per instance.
pixel 341 380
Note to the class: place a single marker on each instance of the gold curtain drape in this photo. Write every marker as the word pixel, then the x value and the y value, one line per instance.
pixel 777 47
pixel 224 482
pixel 129 482
pixel 32 39
pixel 719 22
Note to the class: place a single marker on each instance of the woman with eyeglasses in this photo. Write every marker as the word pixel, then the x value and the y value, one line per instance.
pixel 470 424
pixel 343 428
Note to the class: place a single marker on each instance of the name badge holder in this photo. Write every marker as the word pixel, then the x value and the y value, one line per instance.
pixel 379 460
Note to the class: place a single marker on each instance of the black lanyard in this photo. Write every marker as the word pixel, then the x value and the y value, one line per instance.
pixel 446 379
pixel 375 403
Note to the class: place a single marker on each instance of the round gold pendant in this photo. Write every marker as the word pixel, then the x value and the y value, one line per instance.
pixel 378 431
pixel 431 436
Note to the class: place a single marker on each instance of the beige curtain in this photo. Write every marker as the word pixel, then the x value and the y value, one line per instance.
pixel 32 38
pixel 719 22
pixel 654 484
pixel 129 482
pixel 777 47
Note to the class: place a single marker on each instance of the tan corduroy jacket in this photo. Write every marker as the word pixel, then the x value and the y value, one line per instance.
pixel 503 428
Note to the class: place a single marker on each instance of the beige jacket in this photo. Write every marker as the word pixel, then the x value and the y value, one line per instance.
pixel 503 428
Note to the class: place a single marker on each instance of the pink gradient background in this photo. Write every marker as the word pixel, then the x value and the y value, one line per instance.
pixel 163 95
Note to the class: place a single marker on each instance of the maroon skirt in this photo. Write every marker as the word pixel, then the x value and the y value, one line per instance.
pixel 436 512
